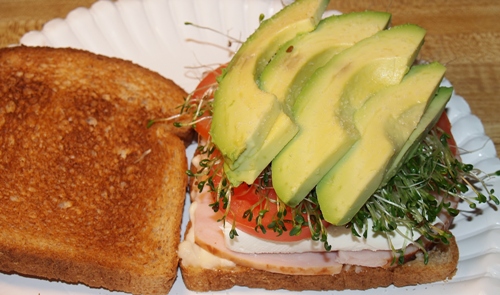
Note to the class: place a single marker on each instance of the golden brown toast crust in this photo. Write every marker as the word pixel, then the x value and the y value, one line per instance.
pixel 89 193
pixel 442 265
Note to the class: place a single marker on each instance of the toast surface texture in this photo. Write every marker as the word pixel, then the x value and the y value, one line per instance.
pixel 89 194
pixel 442 265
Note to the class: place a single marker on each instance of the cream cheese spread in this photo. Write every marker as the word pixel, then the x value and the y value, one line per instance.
pixel 339 237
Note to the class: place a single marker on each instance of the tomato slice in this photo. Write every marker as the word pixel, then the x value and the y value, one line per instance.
pixel 247 202
pixel 444 124
pixel 202 127
pixel 205 90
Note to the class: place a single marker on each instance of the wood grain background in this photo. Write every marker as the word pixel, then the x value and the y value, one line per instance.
pixel 463 34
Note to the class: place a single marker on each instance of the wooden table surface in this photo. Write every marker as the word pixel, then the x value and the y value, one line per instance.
pixel 463 34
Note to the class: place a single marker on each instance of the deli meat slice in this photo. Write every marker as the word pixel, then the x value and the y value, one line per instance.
pixel 367 258
pixel 209 236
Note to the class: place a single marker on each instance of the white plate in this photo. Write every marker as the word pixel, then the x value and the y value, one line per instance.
pixel 153 33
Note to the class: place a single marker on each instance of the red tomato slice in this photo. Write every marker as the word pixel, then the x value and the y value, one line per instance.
pixel 202 127
pixel 245 197
pixel 205 88
pixel 445 125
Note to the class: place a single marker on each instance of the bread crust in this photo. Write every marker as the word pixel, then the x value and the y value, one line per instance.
pixel 442 265
pixel 89 193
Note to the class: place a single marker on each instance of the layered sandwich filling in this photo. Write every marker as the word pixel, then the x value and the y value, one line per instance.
pixel 209 243
pixel 357 167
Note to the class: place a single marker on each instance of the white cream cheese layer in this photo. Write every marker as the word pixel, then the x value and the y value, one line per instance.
pixel 339 237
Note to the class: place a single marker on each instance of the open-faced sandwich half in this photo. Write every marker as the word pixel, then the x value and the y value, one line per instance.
pixel 325 160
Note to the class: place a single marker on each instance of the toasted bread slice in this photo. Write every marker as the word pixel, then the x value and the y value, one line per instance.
pixel 442 265
pixel 89 194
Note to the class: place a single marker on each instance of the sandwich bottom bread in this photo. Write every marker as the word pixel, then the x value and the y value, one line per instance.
pixel 89 194
pixel 442 265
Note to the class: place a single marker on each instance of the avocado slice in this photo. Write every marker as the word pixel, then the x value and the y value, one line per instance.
pixel 289 70
pixel 299 58
pixel 325 107
pixel 385 122
pixel 427 122
pixel 243 114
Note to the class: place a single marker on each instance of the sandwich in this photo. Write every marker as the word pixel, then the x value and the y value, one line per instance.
pixel 325 160
pixel 89 194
